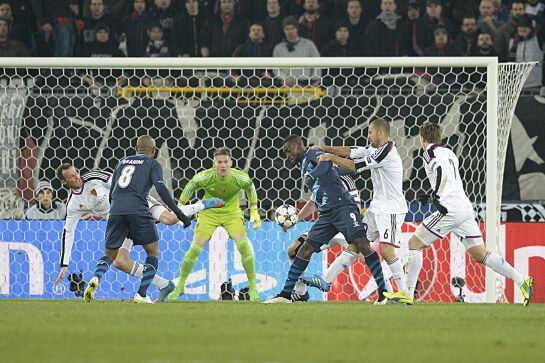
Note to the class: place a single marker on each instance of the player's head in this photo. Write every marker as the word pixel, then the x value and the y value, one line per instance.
pixel 146 145
pixel 430 134
pixel 294 149
pixel 222 161
pixel 69 176
pixel 378 132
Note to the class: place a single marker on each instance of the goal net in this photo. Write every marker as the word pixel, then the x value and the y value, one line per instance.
pixel 89 112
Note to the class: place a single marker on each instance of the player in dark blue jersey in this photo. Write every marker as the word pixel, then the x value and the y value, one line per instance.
pixel 130 217
pixel 338 213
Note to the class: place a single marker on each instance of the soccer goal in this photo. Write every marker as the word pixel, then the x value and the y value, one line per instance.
pixel 90 111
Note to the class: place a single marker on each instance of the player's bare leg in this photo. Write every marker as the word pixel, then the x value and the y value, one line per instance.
pixel 499 265
pixel 150 269
pixel 103 264
pixel 248 262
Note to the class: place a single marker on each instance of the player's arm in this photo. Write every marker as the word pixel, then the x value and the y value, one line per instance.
pixel 251 195
pixel 343 151
pixel 67 241
pixel 347 165
pixel 162 190
pixel 374 159
pixel 438 183
pixel 188 192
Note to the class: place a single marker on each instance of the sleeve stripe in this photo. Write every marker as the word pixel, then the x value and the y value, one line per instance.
pixel 429 155
pixel 348 182
pixel 63 246
pixel 381 153
pixel 360 165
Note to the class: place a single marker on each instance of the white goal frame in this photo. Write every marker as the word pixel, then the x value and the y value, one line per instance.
pixel 492 192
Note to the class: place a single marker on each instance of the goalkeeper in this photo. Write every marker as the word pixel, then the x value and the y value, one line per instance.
pixel 224 182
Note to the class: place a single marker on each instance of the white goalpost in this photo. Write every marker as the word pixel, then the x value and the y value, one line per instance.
pixel 88 111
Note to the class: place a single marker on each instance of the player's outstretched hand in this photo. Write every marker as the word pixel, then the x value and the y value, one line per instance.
pixel 183 218
pixel 213 203
pixel 325 157
pixel 62 273
pixel 255 218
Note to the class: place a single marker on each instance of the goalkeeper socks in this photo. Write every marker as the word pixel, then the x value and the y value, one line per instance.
pixel 414 265
pixel 298 266
pixel 373 262
pixel 397 273
pixel 103 264
pixel 345 260
pixel 189 261
pixel 158 281
pixel 498 264
pixel 150 269
pixel 248 261
pixel 192 209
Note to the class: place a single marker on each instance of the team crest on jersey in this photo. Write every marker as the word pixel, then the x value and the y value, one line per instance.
pixel 221 192
pixel 93 192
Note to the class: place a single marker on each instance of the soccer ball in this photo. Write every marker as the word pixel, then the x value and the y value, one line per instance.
pixel 286 216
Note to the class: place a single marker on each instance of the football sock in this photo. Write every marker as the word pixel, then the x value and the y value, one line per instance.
pixel 158 281
pixel 248 261
pixel 397 273
pixel 414 265
pixel 296 269
pixel 502 267
pixel 341 263
pixel 373 262
pixel 192 209
pixel 189 261
pixel 150 269
pixel 103 264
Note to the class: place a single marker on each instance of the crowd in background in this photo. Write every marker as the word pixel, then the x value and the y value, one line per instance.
pixel 510 30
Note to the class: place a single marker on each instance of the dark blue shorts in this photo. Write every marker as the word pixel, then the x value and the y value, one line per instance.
pixel 345 219
pixel 140 229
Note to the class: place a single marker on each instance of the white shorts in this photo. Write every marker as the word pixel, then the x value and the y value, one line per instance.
pixel 462 224
pixel 155 208
pixel 385 227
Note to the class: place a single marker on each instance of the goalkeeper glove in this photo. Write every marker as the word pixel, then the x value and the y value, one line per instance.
pixel 255 217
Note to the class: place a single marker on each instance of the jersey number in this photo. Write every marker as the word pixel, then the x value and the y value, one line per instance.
pixel 126 176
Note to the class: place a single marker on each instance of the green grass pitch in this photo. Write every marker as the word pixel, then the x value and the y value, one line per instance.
pixel 117 331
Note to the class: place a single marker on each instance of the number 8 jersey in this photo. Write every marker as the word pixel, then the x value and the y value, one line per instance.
pixel 451 193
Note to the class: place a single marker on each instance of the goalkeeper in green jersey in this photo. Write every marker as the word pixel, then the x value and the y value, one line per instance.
pixel 224 182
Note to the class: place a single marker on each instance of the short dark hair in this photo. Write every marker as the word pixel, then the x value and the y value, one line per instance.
pixel 222 151
pixel 382 124
pixel 258 24
pixel 61 169
pixel 293 139
pixel 431 132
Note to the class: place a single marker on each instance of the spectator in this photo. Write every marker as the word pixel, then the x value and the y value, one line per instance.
pixel 10 47
pixel 485 47
pixel 134 28
pixel 504 34
pixel 340 46
pixel 255 46
pixel 354 21
pixel 190 27
pixel 534 7
pixel 467 40
pixel 524 46
pixel 46 206
pixel 56 26
pixel 313 25
pixel 165 13
pixel 413 16
pixel 295 46
pixel 224 33
pixel 488 21
pixel 442 47
pixel 97 17
pixel 462 8
pixel 157 46
pixel 115 8
pixel 272 22
pixel 102 46
pixel 387 35
pixel 18 30
pixel 429 22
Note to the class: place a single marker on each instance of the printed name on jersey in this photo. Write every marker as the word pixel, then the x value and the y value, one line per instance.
pixel 132 162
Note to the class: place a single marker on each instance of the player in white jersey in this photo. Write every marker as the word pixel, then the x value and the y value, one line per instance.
pixel 89 197
pixel 300 292
pixel 388 207
pixel 454 214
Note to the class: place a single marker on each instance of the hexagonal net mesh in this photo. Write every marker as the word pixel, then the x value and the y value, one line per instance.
pixel 90 117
